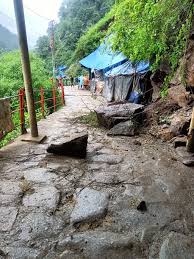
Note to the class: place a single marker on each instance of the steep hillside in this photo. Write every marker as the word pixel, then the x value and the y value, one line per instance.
pixel 76 17
pixel 8 40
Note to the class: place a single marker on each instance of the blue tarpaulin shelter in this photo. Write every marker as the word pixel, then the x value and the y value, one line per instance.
pixel 128 82
pixel 122 79
pixel 128 69
pixel 103 58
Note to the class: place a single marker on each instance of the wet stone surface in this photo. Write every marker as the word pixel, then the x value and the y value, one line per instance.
pixel 43 197
pixel 90 206
pixel 177 246
pixel 55 206
pixel 7 218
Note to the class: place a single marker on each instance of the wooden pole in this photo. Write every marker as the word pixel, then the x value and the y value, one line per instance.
pixel 190 140
pixel 21 28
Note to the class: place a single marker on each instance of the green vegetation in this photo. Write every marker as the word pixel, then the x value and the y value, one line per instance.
pixel 11 78
pixel 76 16
pixel 8 40
pixel 143 30
pixel 89 119
pixel 152 30
pixel 89 41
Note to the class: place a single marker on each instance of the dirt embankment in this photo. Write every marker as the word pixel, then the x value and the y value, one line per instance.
pixel 170 116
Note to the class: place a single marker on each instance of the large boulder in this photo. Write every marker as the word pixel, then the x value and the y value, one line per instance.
pixel 74 147
pixel 108 116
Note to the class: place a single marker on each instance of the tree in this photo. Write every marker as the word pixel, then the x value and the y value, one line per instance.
pixel 152 30
pixel 44 51
pixel 76 16
pixel 11 78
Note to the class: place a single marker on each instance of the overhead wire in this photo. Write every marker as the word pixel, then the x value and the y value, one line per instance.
pixel 36 13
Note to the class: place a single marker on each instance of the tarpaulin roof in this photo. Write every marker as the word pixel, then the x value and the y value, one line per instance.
pixel 61 68
pixel 103 58
pixel 128 69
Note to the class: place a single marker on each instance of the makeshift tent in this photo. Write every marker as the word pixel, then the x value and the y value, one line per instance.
pixel 128 82
pixel 103 58
pixel 128 69
pixel 119 75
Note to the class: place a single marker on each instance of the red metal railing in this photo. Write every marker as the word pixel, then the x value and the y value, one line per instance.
pixel 46 102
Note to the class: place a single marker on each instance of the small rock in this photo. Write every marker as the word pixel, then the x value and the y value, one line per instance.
pixel 75 147
pixel 127 128
pixel 142 206
pixel 91 205
pixel 180 142
pixel 137 142
pixel 177 246
pixel 188 162
pixel 185 157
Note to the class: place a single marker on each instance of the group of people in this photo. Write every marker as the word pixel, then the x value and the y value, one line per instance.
pixel 83 82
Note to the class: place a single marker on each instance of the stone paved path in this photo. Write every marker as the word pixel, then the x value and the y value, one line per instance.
pixel 59 207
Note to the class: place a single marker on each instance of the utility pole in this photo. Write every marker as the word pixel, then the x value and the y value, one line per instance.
pixel 21 28
pixel 52 46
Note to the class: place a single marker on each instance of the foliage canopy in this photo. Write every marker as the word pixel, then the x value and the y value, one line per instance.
pixel 11 78
pixel 152 30
pixel 76 16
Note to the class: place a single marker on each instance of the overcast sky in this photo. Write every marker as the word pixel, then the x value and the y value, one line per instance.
pixel 36 25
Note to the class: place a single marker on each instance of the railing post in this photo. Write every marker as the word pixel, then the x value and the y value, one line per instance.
pixel 62 91
pixel 54 98
pixel 21 110
pixel 42 101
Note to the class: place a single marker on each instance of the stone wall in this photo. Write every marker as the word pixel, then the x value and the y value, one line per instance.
pixel 6 124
